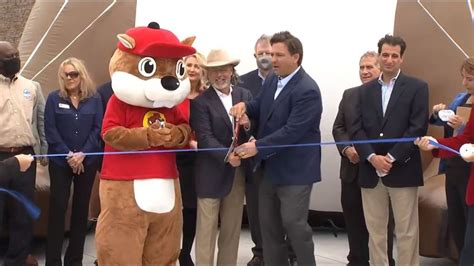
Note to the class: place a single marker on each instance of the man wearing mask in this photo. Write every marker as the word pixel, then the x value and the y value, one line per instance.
pixel 22 116
pixel 351 200
pixel 253 81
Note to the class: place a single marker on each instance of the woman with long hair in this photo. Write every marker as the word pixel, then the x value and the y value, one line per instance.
pixel 73 117
pixel 185 161
pixel 466 135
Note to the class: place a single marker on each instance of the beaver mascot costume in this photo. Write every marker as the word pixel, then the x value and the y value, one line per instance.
pixel 140 221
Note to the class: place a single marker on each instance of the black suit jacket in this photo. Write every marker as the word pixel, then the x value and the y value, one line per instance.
pixel 252 81
pixel 346 116
pixel 9 168
pixel 105 91
pixel 213 128
pixel 406 116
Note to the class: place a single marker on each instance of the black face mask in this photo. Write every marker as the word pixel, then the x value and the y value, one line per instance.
pixel 11 66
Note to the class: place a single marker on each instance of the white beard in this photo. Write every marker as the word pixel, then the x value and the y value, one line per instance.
pixel 147 93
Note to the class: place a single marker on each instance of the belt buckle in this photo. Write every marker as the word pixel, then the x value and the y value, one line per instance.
pixel 12 149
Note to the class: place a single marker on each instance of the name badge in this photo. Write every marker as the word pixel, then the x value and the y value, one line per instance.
pixel 27 94
pixel 64 106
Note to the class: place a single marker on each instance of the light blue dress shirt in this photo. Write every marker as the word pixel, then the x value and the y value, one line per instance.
pixel 387 89
pixel 283 81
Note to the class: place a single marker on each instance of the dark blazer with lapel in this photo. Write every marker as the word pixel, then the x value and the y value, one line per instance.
pixel 252 81
pixel 406 116
pixel 292 118
pixel 340 131
pixel 210 121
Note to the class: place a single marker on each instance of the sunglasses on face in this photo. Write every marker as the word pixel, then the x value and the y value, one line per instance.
pixel 72 74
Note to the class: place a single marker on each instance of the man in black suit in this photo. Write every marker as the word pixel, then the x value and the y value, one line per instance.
pixel 351 199
pixel 288 112
pixel 220 185
pixel 253 81
pixel 393 106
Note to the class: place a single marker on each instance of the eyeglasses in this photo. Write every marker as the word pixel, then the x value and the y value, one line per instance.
pixel 72 74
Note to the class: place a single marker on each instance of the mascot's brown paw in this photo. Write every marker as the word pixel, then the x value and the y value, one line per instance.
pixel 158 136
pixel 127 139
pixel 179 135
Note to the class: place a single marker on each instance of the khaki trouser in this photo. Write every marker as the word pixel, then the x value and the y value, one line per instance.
pixel 229 209
pixel 405 212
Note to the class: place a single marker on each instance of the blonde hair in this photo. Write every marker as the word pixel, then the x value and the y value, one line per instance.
pixel 201 59
pixel 468 66
pixel 87 87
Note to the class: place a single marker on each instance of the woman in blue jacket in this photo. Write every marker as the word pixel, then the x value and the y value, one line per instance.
pixel 73 117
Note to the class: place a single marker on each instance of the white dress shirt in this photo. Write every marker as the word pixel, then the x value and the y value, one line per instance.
pixel 226 100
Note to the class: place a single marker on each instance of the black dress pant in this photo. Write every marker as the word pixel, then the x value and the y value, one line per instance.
pixel 185 162
pixel 357 234
pixel 61 179
pixel 457 176
pixel 20 223
pixel 251 202
pixel 467 252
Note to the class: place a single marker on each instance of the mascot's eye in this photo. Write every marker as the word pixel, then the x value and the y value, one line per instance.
pixel 180 70
pixel 147 67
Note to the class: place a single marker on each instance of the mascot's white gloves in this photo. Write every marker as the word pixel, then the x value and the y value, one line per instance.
pixel 467 152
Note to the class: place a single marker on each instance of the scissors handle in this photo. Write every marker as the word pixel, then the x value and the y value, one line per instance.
pixel 236 134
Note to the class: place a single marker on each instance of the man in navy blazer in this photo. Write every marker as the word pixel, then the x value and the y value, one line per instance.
pixel 253 81
pixel 288 111
pixel 351 199
pixel 393 106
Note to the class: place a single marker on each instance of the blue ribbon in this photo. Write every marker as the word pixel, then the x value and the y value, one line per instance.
pixel 34 211
pixel 370 141
pixel 444 147
pixel 30 207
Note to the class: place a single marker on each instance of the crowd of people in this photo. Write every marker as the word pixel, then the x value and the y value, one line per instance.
pixel 278 103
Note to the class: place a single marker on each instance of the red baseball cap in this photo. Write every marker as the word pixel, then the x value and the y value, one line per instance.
pixel 155 42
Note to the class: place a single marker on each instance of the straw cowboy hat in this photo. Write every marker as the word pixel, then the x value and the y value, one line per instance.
pixel 219 57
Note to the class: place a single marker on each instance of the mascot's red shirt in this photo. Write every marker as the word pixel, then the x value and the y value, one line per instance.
pixel 138 166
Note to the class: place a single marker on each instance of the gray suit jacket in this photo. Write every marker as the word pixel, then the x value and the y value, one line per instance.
pixel 41 146
pixel 340 131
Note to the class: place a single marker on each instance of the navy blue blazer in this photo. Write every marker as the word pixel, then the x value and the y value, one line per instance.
pixel 293 118
pixel 210 121
pixel 406 116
